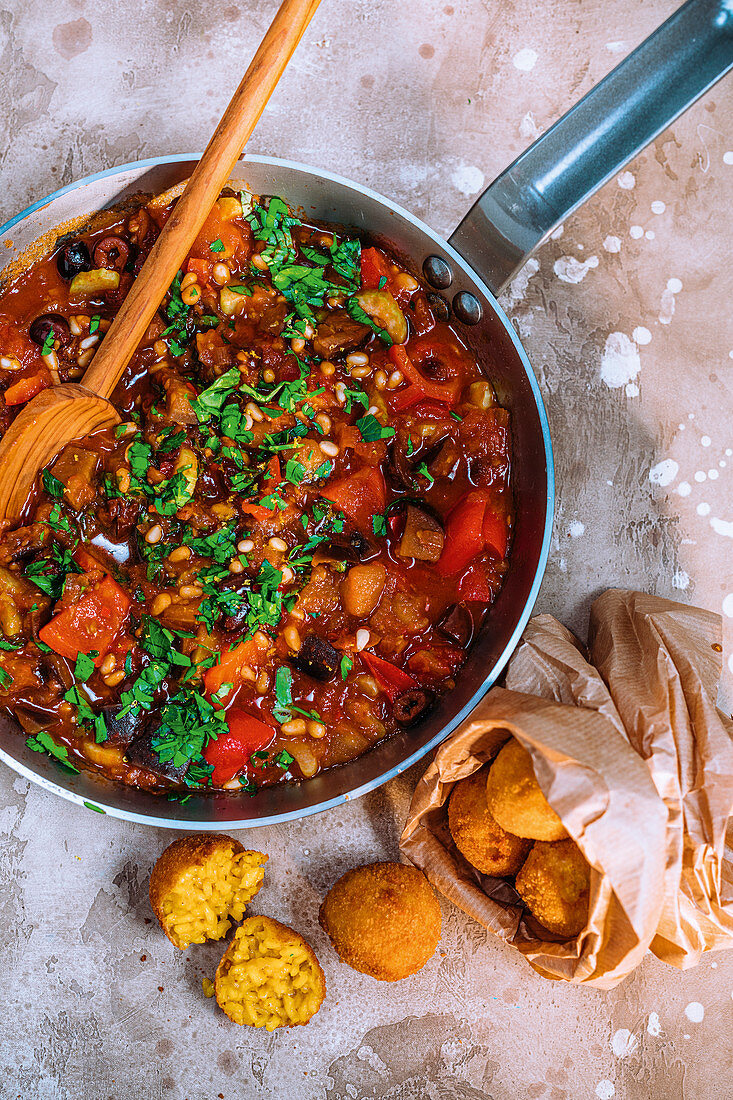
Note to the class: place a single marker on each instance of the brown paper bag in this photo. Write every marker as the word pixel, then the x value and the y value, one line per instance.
pixel 662 662
pixel 565 717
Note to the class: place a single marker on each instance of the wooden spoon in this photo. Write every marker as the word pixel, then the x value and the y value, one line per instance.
pixel 70 411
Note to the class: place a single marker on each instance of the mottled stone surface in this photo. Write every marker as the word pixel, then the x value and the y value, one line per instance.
pixel 627 319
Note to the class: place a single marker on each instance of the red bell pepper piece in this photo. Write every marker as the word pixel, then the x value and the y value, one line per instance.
pixel 202 269
pixel 231 751
pixel 273 475
pixel 464 532
pixel 420 388
pixel 360 496
pixel 257 511
pixel 374 266
pixel 474 585
pixel 392 680
pixel 495 532
pixel 93 623
pixel 26 388
pixel 228 670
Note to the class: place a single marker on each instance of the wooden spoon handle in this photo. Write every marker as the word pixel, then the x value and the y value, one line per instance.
pixel 202 190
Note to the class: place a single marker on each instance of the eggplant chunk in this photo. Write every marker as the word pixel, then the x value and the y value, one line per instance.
pixel 121 731
pixel 457 625
pixel 317 658
pixel 362 588
pixel 412 705
pixel 141 752
pixel 422 537
pixel 339 332
pixel 76 469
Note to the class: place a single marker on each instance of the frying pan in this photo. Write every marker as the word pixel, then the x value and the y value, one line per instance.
pixel 585 148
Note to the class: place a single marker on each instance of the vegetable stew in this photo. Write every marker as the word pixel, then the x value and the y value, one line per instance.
pixel 282 553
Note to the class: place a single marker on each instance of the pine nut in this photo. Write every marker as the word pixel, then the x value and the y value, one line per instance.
pixel 154 534
pixel 324 422
pixel 340 390
pixel 288 575
pixel 380 380
pixel 395 379
pixel 294 728
pixel 260 263
pixel 115 679
pixel 160 604
pixel 329 448
pixel 357 359
pixel 89 342
pixel 360 372
pixel 108 664
pixel 51 360
pixel 10 362
pixel 362 639
pixel 221 274
pixel 242 357
pixel 232 785
pixel 316 729
pixel 74 327
pixel 181 553
pixel 248 673
pixel 123 480
pixel 160 348
pixel 309 332
pixel 268 375
pixel 327 368
pixel 262 682
pixel 85 358
pixel 189 279
pixel 236 566
pixel 190 591
pixel 292 637
pixel 245 546
pixel 254 411
pixel 298 345
pixel 277 544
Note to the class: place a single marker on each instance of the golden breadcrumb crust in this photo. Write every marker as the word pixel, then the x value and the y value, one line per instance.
pixel 383 919
pixel 515 798
pixel 555 885
pixel 269 976
pixel 478 836
pixel 200 882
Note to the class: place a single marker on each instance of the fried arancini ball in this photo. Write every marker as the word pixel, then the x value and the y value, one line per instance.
pixel 201 881
pixel 515 798
pixel 383 919
pixel 477 835
pixel 555 885
pixel 269 976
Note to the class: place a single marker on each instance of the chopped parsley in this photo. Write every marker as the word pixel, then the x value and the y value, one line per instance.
pixel 371 429
pixel 52 485
pixel 44 742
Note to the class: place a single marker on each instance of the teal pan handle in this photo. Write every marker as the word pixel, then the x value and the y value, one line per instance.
pixel 596 138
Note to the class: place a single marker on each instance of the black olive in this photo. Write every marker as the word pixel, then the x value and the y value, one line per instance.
pixel 121 731
pixel 412 705
pixel 112 253
pixel 457 625
pixel 317 658
pixel 46 323
pixel 73 258
pixel 353 545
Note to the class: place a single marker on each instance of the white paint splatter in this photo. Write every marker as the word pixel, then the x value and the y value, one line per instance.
pixel 518 286
pixel 705 441
pixel 468 179
pixel 525 60
pixel 680 579
pixel 576 529
pixel 615 47
pixel 703 508
pixel 626 181
pixel 722 527
pixel 623 1043
pixel 632 390
pixel 528 128
pixel 684 488
pixel 728 605
pixel 653 1026
pixel 713 475
pixel 620 362
pixel 658 207
pixel 571 270
pixel 728 157
pixel 637 232
pixel 642 335
pixel 612 244
pixel 605 1090
pixel 650 234
pixel 700 476
pixel 664 472
pixel 674 286
pixel 694 1012
pixel 557 234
